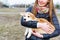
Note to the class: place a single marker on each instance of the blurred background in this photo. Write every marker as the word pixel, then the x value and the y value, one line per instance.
pixel 23 4
pixel 10 27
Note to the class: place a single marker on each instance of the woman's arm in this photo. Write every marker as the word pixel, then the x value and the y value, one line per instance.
pixel 56 24
pixel 30 24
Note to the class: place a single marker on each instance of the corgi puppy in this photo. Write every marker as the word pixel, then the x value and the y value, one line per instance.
pixel 30 17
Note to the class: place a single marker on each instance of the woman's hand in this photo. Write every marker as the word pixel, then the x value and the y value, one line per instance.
pixel 37 34
pixel 44 26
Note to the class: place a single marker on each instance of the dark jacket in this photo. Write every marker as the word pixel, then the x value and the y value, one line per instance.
pixel 33 24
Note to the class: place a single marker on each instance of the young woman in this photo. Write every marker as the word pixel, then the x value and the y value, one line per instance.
pixel 42 9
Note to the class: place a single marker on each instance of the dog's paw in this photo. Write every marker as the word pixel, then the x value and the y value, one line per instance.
pixel 28 36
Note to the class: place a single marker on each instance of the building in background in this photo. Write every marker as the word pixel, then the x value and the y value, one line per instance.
pixel 1 4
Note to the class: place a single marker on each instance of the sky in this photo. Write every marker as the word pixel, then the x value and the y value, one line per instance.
pixel 12 2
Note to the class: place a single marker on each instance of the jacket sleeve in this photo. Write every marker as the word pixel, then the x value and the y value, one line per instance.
pixel 30 24
pixel 57 28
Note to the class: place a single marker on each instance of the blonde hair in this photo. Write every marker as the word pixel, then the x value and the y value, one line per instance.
pixel 51 8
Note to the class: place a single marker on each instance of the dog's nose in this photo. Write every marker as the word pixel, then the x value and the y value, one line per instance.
pixel 24 19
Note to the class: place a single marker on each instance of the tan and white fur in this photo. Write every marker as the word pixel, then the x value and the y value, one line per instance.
pixel 30 17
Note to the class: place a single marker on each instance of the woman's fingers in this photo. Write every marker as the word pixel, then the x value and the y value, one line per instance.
pixel 50 30
pixel 45 27
pixel 37 34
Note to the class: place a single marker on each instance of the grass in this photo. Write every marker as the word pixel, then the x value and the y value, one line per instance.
pixel 58 14
pixel 10 28
pixel 9 10
pixel 12 9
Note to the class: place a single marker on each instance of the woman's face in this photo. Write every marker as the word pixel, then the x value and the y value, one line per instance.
pixel 42 2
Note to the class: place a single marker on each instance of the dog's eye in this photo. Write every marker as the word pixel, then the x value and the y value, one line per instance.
pixel 28 16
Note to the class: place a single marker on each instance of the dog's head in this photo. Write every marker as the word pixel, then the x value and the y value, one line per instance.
pixel 28 16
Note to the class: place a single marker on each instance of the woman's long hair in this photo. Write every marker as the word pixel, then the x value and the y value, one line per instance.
pixel 51 8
